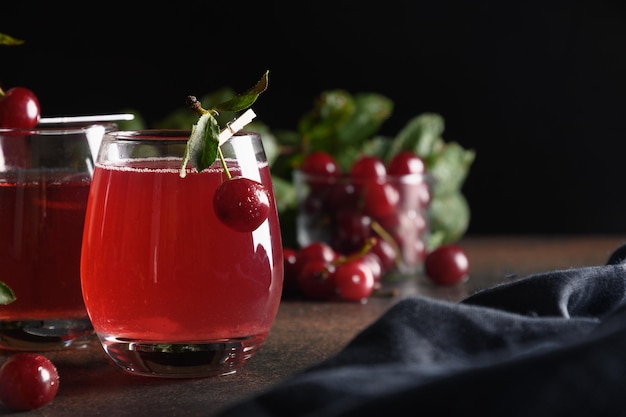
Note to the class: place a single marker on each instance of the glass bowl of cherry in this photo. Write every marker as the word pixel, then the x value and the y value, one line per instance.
pixel 374 206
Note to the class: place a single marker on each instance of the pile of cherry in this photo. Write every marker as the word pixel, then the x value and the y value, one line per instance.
pixel 389 202
pixel 350 264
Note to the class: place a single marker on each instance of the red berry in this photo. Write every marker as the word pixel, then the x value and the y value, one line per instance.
pixel 241 203
pixel 373 261
pixel 381 199
pixel 28 381
pixel 290 281
pixel 353 280
pixel 320 163
pixel 406 163
pixel 315 280
pixel 387 254
pixel 350 230
pixel 447 265
pixel 341 196
pixel 316 251
pixel 368 167
pixel 19 108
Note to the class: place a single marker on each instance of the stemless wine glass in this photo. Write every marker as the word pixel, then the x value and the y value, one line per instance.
pixel 45 174
pixel 171 290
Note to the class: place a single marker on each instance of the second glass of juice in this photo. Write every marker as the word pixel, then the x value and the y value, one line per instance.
pixel 45 174
pixel 172 291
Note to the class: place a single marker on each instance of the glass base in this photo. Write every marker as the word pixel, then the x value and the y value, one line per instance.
pixel 44 335
pixel 182 360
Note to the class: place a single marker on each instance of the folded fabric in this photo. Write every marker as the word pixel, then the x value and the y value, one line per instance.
pixel 549 344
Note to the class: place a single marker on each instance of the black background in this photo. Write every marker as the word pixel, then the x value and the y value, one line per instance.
pixel 536 88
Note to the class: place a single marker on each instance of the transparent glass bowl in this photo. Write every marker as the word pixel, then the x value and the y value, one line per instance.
pixel 345 213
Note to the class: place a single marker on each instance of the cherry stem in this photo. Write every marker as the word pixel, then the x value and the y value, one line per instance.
pixel 194 104
pixel 389 239
pixel 367 246
pixel 223 162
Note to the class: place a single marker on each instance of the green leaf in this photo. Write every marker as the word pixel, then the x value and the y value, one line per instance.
pixel 246 99
pixel 318 127
pixel 202 144
pixel 450 167
pixel 371 111
pixel 377 145
pixel 6 294
pixel 285 193
pixel 9 40
pixel 449 217
pixel 421 134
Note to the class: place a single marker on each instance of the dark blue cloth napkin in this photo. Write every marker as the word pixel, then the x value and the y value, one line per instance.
pixel 549 344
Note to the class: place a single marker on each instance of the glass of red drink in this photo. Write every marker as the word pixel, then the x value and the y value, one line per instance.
pixel 45 174
pixel 171 290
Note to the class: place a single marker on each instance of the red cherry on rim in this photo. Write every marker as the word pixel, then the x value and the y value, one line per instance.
pixel 241 203
pixel 19 109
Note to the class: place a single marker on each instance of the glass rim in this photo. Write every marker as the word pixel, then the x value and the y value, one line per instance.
pixel 165 134
pixel 53 129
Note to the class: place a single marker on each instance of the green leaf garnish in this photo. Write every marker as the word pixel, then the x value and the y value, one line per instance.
pixel 9 40
pixel 202 146
pixel 244 100
pixel 6 294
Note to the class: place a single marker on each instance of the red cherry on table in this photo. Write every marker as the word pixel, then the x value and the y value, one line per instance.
pixel 313 265
pixel 241 203
pixel 353 280
pixel 315 280
pixel 447 265
pixel 19 108
pixel 28 381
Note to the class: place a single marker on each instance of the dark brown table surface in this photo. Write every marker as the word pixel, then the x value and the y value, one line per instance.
pixel 304 333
